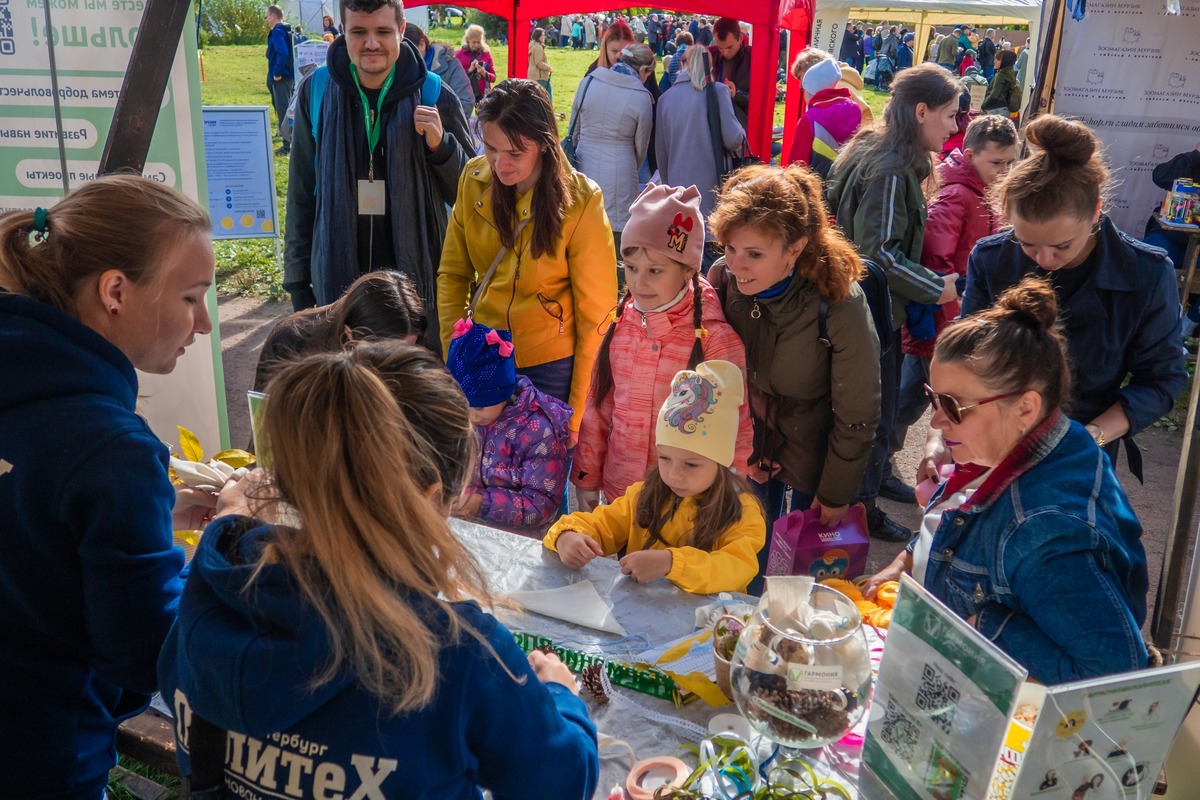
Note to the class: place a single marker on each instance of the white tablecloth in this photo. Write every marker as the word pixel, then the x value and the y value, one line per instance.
pixel 653 615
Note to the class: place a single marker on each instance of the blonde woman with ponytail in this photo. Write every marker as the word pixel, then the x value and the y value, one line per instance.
pixel 815 404
pixel 89 574
pixel 349 639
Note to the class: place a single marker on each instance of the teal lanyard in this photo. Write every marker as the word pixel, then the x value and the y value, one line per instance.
pixel 373 117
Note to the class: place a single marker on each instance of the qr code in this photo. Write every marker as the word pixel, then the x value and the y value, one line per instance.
pixel 937 695
pixel 7 35
pixel 260 213
pixel 900 731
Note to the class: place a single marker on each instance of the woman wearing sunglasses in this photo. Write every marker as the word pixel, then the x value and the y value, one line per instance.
pixel 1120 305
pixel 1031 539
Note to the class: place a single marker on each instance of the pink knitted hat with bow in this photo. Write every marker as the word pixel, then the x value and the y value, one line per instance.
pixel 667 219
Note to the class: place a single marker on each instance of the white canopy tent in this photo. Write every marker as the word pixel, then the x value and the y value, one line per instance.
pixel 833 15
pixel 309 13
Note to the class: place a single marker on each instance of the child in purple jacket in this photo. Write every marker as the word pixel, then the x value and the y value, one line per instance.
pixel 522 469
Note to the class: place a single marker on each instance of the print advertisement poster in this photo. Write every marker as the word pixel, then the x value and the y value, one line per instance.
pixel 92 41
pixel 1104 739
pixel 1132 74
pixel 941 705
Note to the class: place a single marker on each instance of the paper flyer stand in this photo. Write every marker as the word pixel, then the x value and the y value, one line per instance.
pixel 1103 739
pixel 941 705
pixel 953 718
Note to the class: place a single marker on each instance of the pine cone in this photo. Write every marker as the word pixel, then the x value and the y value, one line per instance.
pixel 593 681
pixel 548 649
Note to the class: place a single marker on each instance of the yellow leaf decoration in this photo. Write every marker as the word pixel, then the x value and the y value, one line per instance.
pixel 189 445
pixel 235 458
pixel 700 685
pixel 188 537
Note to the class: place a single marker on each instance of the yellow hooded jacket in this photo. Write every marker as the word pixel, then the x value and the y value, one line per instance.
pixel 729 567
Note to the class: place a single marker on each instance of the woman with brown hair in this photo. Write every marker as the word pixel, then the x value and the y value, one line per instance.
pixel 555 282
pixel 877 191
pixel 1120 306
pixel 789 287
pixel 89 574
pixel 330 614
pixel 379 305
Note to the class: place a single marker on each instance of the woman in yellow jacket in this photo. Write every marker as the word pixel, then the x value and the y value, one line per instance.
pixel 692 521
pixel 555 282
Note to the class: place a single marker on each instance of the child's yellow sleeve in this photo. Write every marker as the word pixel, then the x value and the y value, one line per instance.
pixel 731 564
pixel 608 524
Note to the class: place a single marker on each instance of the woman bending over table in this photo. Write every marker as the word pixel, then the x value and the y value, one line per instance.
pixel 109 280
pixel 348 638
pixel 1117 296
pixel 1031 539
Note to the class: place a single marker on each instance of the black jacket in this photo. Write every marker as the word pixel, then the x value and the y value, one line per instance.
pixel 1124 321
pixel 374 240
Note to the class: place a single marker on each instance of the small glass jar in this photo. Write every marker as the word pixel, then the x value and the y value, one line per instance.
pixel 803 684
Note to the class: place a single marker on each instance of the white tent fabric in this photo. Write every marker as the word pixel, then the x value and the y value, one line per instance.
pixel 832 16
pixel 309 13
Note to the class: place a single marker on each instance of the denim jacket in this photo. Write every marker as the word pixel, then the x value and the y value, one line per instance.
pixel 1047 555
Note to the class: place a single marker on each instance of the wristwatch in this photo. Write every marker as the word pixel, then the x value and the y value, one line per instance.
pixel 1096 431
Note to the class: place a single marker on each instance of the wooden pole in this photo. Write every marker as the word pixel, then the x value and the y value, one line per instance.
pixel 142 90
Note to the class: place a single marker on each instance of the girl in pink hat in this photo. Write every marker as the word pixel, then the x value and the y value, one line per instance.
pixel 668 319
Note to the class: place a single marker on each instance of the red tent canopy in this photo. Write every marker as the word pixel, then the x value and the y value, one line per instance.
pixel 767 17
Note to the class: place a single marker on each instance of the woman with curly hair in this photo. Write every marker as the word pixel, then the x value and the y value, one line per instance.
pixel 789 287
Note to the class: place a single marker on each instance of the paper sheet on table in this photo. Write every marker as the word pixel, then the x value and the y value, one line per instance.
pixel 578 603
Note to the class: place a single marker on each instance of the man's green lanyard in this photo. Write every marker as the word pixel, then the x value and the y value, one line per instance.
pixel 373 117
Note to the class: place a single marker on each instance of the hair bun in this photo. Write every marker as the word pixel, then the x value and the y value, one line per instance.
pixel 1031 302
pixel 1064 140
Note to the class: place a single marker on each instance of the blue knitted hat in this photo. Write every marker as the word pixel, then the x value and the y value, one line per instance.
pixel 481 360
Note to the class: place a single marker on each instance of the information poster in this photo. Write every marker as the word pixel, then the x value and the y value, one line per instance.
pixel 1132 74
pixel 941 705
pixel 1104 739
pixel 311 54
pixel 241 172
pixel 92 42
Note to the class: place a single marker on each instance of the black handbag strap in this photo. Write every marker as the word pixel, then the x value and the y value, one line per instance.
pixel 487 276
pixel 714 119
pixel 579 110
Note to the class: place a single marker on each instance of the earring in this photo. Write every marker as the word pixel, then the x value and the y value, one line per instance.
pixel 113 310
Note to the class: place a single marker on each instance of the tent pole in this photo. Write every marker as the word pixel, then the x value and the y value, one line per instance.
pixel 1047 64
pixel 1173 584
pixel 143 87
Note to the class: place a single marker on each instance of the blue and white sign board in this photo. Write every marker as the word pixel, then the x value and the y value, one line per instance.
pixel 241 172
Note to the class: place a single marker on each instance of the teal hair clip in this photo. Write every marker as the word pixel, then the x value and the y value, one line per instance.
pixel 40 216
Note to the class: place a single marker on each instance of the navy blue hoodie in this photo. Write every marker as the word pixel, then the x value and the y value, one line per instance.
pixel 244 660
pixel 89 579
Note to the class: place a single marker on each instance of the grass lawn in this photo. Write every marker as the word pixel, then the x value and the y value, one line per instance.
pixel 235 76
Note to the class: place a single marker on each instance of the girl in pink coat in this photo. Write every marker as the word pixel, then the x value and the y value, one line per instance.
pixel 669 319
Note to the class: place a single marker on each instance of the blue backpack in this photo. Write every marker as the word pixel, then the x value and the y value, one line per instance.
pixel 431 90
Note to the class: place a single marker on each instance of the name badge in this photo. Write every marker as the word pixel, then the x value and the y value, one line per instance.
pixel 372 198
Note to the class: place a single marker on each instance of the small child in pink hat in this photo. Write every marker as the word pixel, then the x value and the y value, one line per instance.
pixel 669 319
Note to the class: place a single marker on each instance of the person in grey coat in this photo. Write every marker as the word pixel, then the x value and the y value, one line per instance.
pixel 612 134
pixel 440 60
pixel 683 142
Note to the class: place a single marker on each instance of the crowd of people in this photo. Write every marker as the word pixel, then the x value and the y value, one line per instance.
pixel 695 354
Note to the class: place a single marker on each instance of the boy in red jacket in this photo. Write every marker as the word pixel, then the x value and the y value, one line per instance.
pixel 959 216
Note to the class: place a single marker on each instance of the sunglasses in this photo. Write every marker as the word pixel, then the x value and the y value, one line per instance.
pixel 954 409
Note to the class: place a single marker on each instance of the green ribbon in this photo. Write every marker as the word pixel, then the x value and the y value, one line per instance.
pixel 373 117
